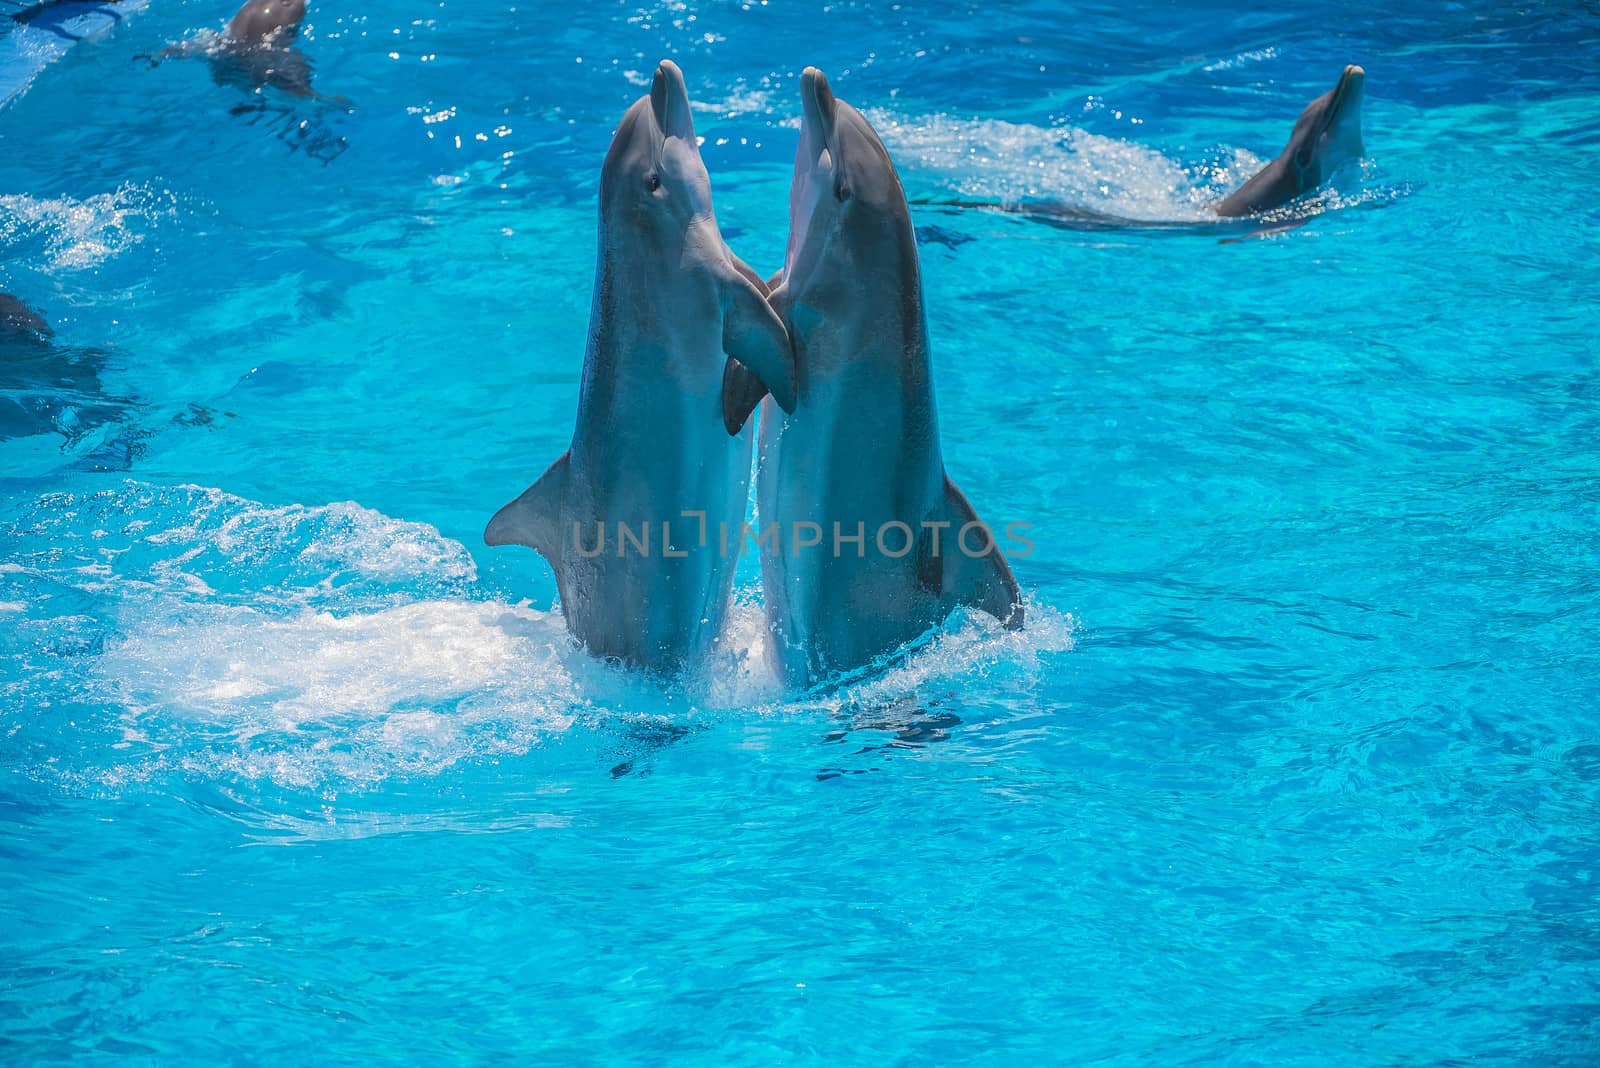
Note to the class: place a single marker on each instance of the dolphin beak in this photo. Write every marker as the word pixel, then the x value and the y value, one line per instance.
pixel 669 99
pixel 816 101
pixel 1351 88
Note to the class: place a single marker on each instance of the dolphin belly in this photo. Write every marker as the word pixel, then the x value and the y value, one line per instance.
pixel 645 576
pixel 858 481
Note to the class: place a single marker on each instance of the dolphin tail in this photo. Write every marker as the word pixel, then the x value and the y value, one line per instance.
pixel 753 334
pixel 534 518
pixel 982 581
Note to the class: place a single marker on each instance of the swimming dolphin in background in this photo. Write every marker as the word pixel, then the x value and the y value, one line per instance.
pixel 17 320
pixel 860 452
pixel 256 49
pixel 650 455
pixel 47 391
pixel 1326 137
pixel 267 22
pixel 260 48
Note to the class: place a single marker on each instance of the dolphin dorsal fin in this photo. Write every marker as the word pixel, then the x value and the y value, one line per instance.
pixel 534 518
pixel 984 582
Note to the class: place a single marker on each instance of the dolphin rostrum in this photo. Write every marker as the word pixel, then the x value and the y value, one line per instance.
pixel 634 517
pixel 1326 137
pixel 875 544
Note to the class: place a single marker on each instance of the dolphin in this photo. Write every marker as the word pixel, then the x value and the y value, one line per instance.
pixel 267 22
pixel 1326 137
pixel 259 49
pixel 860 453
pixel 633 518
pixel 256 49
pixel 17 320
pixel 50 389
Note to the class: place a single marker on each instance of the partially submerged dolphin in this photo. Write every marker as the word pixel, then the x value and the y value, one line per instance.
pixel 1326 137
pixel 859 456
pixel 48 389
pixel 267 22
pixel 256 49
pixel 17 320
pixel 634 517
pixel 260 48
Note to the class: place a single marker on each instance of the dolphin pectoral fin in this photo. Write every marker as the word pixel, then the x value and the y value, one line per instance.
pixel 753 334
pixel 982 581
pixel 534 518
pixel 1265 231
pixel 741 392
pixel 749 272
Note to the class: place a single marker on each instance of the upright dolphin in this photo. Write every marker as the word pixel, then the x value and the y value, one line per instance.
pixel 1326 137
pixel 859 456
pixel 631 516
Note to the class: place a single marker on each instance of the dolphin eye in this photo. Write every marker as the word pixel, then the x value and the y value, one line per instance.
pixel 841 191
pixel 1302 157
pixel 654 181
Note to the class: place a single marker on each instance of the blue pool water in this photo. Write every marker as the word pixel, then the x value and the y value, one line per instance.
pixel 1297 762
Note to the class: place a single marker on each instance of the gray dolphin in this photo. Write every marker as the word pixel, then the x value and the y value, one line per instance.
pixel 260 49
pixel 267 22
pixel 256 49
pixel 1326 137
pixel 17 320
pixel 46 388
pixel 860 453
pixel 634 517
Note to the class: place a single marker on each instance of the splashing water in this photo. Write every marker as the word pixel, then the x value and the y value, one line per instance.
pixel 334 647
pixel 68 233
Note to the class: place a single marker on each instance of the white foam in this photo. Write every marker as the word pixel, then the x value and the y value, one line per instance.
pixel 742 99
pixel 66 233
pixel 315 697
pixel 1256 55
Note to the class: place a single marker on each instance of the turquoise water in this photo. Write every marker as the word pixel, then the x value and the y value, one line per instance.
pixel 1297 762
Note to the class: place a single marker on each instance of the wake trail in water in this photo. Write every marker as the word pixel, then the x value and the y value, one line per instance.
pixel 1014 163
pixel 1082 180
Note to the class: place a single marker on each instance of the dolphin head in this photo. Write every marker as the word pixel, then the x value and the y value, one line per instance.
pixel 846 204
pixel 272 22
pixel 1327 136
pixel 654 189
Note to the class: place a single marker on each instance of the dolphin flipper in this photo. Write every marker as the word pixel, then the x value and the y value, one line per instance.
pixel 534 518
pixel 749 272
pixel 753 334
pixel 983 582
pixel 742 390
